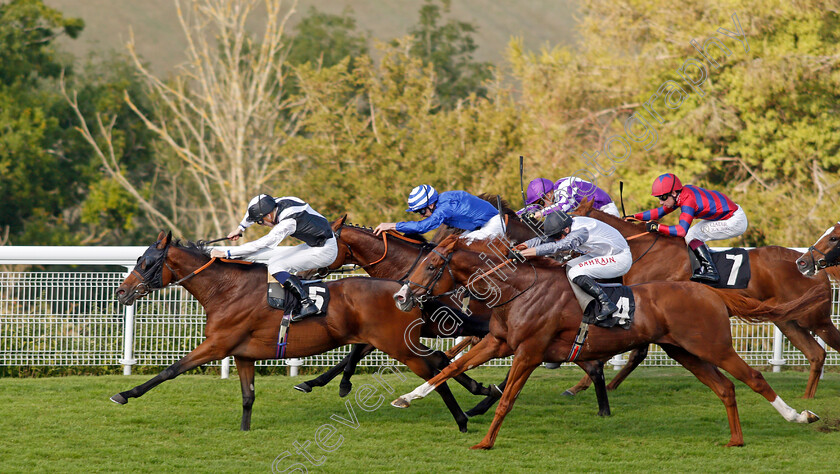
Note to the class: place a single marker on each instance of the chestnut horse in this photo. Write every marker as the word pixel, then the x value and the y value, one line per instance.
pixel 394 256
pixel 538 318
pixel 825 254
pixel 774 276
pixel 240 322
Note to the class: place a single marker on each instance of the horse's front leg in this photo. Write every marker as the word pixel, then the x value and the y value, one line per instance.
pixel 359 352
pixel 490 347
pixel 245 368
pixel 207 351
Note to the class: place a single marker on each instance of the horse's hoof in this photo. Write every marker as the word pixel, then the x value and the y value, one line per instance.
pixel 401 403
pixel 344 390
pixel 463 428
pixel 568 393
pixel 483 446
pixel 734 444
pixel 303 387
pixel 118 398
pixel 810 416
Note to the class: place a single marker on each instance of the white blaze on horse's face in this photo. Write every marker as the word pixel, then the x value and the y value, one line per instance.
pixel 807 264
pixel 404 298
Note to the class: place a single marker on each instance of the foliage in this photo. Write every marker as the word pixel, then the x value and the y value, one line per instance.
pixel 449 48
pixel 325 39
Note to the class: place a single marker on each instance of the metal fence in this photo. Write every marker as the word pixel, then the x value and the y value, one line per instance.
pixel 72 319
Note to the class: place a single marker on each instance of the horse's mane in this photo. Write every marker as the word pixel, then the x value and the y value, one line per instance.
pixel 409 235
pixel 491 198
pixel 200 248
pixel 492 247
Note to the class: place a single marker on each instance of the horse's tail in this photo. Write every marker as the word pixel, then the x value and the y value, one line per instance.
pixel 753 310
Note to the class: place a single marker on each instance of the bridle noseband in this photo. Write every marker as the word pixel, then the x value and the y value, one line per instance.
pixel 426 296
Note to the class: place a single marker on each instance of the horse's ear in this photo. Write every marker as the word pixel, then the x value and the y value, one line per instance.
pixel 338 222
pixel 164 239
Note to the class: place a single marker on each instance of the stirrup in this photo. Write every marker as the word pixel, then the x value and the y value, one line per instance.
pixel 306 310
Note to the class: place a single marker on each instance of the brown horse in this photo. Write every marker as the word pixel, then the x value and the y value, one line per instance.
pixel 240 322
pixel 825 254
pixel 774 277
pixel 536 318
pixel 394 256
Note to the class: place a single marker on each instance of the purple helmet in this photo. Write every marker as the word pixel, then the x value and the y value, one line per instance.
pixel 538 188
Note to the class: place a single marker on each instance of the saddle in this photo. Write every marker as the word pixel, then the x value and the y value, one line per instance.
pixel 289 303
pixel 619 294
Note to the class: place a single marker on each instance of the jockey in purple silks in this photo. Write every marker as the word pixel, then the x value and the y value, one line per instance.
pixel 565 195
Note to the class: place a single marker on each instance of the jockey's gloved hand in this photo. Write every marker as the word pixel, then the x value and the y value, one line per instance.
pixel 514 254
pixel 652 226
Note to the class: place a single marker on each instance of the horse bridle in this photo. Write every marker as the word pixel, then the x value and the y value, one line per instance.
pixel 153 274
pixel 828 260
pixel 446 259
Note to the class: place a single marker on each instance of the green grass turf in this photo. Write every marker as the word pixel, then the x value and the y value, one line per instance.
pixel 663 420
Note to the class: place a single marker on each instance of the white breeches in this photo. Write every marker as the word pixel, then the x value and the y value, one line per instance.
pixel 298 258
pixel 491 228
pixel 612 266
pixel 610 209
pixel 718 230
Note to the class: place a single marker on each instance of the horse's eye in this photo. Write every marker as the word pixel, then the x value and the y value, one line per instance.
pixel 430 267
pixel 832 239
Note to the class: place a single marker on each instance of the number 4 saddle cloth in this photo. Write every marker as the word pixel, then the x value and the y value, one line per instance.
pixel 619 294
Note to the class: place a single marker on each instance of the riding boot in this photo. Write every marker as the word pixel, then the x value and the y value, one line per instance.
pixel 307 306
pixel 707 271
pixel 591 288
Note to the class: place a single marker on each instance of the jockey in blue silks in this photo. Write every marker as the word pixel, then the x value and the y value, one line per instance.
pixel 457 209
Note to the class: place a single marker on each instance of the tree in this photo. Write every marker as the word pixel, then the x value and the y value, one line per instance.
pixel 325 39
pixel 449 48
pixel 222 119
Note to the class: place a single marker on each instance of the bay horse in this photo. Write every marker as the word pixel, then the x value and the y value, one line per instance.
pixel 240 322
pixel 774 277
pixel 539 317
pixel 824 254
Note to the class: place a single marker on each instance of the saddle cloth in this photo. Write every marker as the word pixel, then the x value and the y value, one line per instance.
pixel 733 265
pixel 290 304
pixel 619 294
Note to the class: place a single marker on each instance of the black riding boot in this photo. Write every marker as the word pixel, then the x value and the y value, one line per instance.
pixel 591 288
pixel 307 306
pixel 707 271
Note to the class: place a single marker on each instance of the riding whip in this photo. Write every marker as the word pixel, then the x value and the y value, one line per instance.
pixel 621 196
pixel 521 184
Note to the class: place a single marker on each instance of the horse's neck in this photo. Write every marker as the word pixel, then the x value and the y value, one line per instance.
pixel 209 286
pixel 370 248
pixel 471 270
pixel 518 231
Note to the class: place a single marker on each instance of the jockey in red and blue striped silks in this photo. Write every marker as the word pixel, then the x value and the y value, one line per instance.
pixel 694 202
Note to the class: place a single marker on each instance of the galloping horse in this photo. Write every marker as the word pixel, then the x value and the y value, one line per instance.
pixel 828 247
pixel 240 322
pixel 539 317
pixel 658 257
pixel 394 256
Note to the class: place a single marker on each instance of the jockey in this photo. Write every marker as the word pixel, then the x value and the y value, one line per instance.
pixel 566 194
pixel 287 216
pixel 722 219
pixel 605 253
pixel 457 209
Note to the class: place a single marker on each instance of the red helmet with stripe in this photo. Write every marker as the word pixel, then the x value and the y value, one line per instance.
pixel 664 184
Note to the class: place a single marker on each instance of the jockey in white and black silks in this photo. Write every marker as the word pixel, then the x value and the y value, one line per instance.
pixel 605 253
pixel 287 216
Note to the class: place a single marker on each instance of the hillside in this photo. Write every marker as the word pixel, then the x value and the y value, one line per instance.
pixel 161 42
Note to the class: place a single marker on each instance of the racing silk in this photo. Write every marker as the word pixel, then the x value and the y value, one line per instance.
pixel 569 192
pixel 294 217
pixel 694 202
pixel 457 209
pixel 588 236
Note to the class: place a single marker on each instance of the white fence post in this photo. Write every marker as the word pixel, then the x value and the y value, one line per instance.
pixel 226 367
pixel 294 364
pixel 778 341
pixel 128 338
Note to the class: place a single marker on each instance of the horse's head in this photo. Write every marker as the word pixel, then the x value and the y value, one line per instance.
pixel 430 277
pixel 149 274
pixel 823 254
